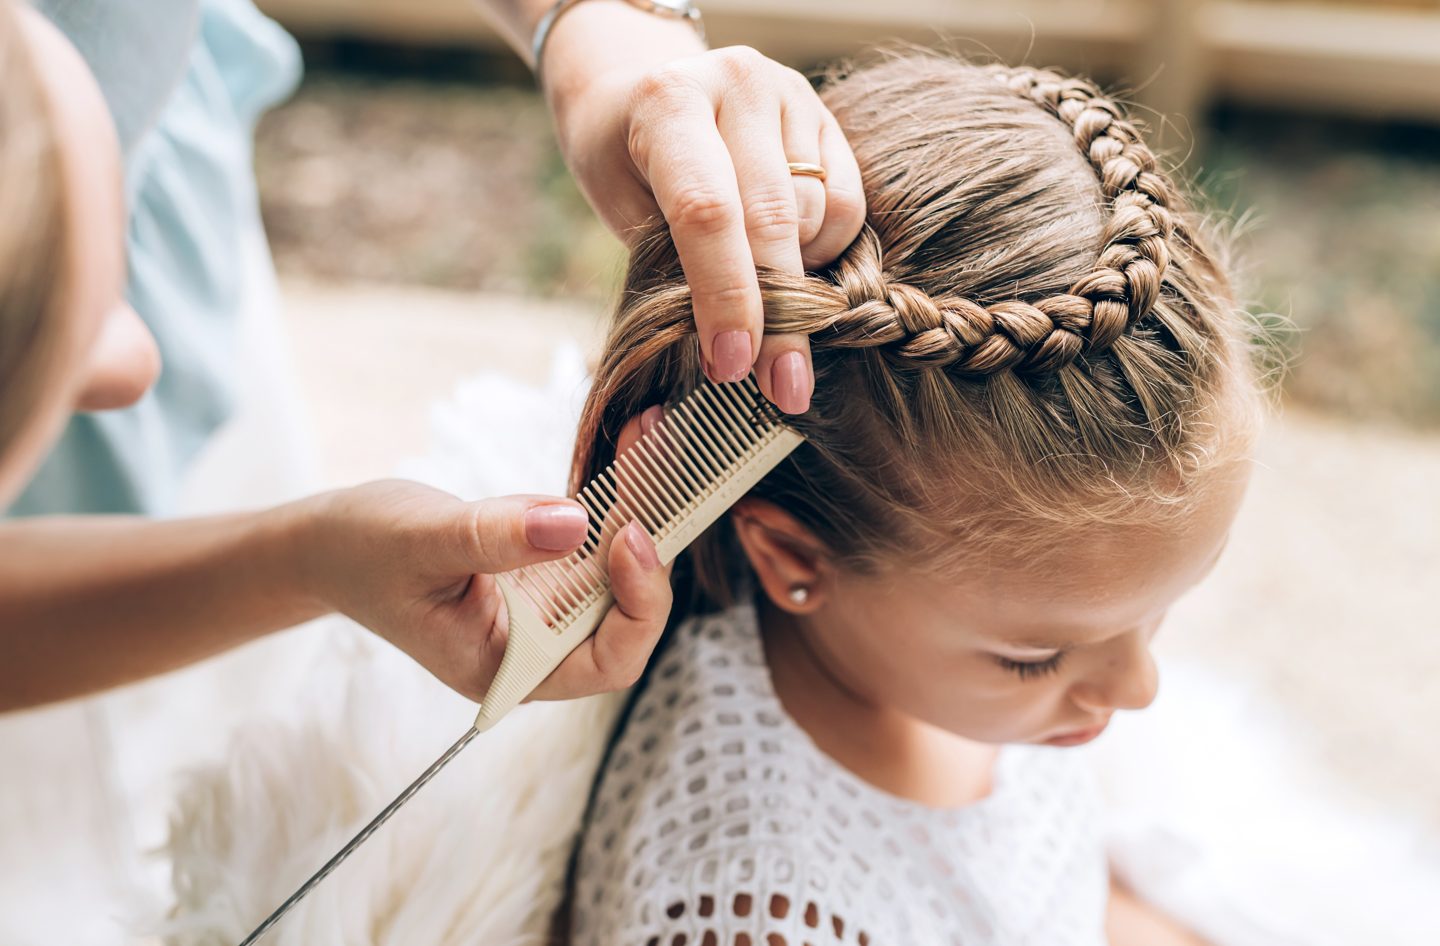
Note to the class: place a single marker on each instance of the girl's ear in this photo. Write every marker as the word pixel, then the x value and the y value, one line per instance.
pixel 788 560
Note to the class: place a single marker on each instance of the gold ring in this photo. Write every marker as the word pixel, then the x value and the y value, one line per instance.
pixel 806 170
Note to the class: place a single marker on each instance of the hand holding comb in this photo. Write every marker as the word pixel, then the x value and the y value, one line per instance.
pixel 710 449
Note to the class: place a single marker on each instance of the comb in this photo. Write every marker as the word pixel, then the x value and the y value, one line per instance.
pixel 707 452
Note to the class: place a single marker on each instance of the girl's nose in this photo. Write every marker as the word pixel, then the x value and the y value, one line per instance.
pixel 1127 679
pixel 123 364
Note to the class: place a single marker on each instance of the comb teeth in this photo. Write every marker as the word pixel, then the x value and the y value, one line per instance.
pixel 668 474
pixel 707 452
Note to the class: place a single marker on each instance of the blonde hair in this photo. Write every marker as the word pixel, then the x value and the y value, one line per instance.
pixel 33 233
pixel 1030 335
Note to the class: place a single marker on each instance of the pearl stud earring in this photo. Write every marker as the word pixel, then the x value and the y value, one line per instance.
pixel 799 594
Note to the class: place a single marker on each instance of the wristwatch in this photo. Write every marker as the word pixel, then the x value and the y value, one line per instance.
pixel 674 9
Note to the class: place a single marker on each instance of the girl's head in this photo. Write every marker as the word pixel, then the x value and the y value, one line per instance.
pixel 1032 409
pixel 67 340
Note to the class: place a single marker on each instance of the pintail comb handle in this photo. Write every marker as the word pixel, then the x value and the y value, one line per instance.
pixel 709 450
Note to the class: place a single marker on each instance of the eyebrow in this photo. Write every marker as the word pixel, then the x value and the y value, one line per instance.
pixel 1036 645
pixel 1061 644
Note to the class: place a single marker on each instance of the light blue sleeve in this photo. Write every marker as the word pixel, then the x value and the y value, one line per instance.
pixel 137 53
pixel 193 206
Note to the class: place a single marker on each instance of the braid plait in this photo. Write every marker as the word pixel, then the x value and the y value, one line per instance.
pixel 916 330
pixel 919 331
pixel 1136 252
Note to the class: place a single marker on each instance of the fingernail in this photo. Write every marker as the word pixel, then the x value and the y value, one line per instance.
pixel 731 355
pixel 556 527
pixel 790 380
pixel 649 418
pixel 641 546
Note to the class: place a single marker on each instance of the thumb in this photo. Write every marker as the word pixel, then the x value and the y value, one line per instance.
pixel 512 531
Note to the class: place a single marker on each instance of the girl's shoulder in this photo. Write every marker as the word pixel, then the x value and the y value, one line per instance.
pixel 717 815
pixel 704 796
pixel 708 726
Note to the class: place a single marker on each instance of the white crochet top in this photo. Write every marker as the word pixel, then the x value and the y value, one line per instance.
pixel 718 822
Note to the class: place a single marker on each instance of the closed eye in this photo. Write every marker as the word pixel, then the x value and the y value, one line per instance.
pixel 1027 670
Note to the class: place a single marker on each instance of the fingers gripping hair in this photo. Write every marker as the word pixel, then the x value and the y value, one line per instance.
pixel 861 306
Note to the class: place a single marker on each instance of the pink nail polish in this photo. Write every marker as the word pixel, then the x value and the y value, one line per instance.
pixel 641 546
pixel 791 382
pixel 731 355
pixel 555 528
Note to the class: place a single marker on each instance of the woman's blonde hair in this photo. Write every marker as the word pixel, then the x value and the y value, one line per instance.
pixel 33 232
pixel 1029 336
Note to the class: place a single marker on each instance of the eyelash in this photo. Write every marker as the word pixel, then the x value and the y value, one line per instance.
pixel 1028 671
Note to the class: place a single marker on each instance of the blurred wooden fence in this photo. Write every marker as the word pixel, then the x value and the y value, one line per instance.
pixel 1374 59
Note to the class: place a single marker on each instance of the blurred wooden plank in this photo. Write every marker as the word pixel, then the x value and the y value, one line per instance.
pixel 1174 76
pixel 1370 61
pixel 1089 35
pixel 1367 59
pixel 797 30
pixel 415 21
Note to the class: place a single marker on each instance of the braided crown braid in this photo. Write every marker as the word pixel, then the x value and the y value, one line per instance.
pixel 1029 333
pixel 951 331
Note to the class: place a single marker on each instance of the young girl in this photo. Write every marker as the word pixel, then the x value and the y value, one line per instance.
pixel 1028 438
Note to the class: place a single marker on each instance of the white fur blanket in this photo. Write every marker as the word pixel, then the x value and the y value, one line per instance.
pixel 1215 818
pixel 477 857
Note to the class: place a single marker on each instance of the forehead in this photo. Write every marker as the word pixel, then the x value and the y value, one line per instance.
pixel 1089 583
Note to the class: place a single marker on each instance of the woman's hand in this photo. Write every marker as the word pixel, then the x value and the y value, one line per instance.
pixel 88 603
pixel 649 124
pixel 415 565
